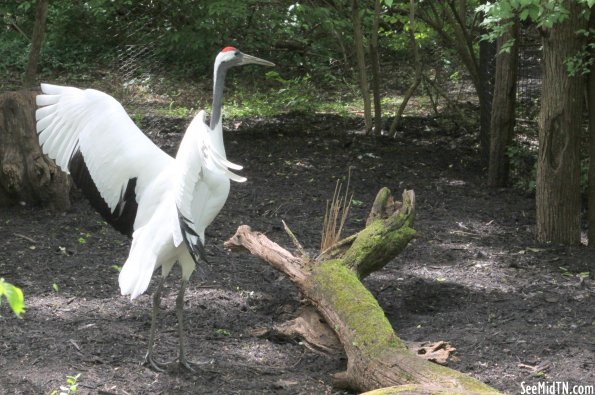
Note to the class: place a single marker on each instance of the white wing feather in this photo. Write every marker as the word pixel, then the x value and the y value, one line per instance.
pixel 113 147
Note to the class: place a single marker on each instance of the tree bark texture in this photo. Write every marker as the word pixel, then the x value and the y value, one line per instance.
pixel 418 71
pixel 358 37
pixel 26 175
pixel 591 111
pixel 375 60
pixel 503 105
pixel 41 14
pixel 487 71
pixel 376 357
pixel 560 122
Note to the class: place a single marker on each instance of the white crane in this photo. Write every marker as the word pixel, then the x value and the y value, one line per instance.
pixel 164 203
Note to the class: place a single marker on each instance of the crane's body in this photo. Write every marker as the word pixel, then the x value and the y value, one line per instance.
pixel 164 203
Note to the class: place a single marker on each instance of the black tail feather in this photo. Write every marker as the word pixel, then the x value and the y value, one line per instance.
pixel 197 250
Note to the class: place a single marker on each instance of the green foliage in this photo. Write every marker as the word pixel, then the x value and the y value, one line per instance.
pixel 175 111
pixel 523 166
pixel 222 332
pixel 69 387
pixel 13 53
pixel 544 14
pixel 580 63
pixel 289 95
pixel 14 296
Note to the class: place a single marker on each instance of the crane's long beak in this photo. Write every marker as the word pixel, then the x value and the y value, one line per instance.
pixel 249 59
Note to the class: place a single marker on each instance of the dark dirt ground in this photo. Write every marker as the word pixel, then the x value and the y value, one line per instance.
pixel 474 276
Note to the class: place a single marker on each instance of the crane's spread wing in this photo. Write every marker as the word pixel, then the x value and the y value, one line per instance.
pixel 90 136
pixel 196 156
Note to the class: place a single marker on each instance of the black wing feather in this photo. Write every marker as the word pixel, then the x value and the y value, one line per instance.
pixel 122 218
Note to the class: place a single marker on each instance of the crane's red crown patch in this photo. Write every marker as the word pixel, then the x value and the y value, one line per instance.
pixel 227 49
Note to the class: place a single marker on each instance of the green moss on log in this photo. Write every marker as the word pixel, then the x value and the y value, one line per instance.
pixel 378 244
pixel 371 331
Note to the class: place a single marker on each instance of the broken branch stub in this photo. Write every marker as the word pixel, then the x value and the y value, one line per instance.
pixel 387 233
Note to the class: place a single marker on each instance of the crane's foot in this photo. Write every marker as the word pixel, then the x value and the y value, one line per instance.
pixel 185 364
pixel 193 367
pixel 154 365
pixel 180 363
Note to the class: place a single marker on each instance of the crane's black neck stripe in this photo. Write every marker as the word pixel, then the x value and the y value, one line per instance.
pixel 122 218
pixel 218 85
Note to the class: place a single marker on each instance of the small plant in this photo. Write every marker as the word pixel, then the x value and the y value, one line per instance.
pixel 222 332
pixel 335 216
pixel 14 296
pixel 583 275
pixel 70 387
pixel 565 272
pixel 55 287
pixel 176 111
pixel 138 119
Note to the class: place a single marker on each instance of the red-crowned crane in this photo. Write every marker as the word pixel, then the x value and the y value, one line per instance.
pixel 164 203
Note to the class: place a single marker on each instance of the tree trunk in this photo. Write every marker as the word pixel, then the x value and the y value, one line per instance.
pixel 376 357
pixel 560 122
pixel 26 175
pixel 418 71
pixel 486 70
pixel 591 108
pixel 358 37
pixel 503 105
pixel 375 59
pixel 487 58
pixel 36 41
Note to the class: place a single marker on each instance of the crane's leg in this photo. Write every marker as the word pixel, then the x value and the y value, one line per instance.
pixel 149 357
pixel 182 360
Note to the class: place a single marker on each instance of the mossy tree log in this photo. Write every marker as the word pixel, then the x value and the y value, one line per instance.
pixel 376 357
pixel 26 174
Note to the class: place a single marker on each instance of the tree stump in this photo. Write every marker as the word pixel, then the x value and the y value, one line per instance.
pixel 376 357
pixel 26 174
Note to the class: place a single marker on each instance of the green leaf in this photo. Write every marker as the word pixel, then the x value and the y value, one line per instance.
pixel 14 296
pixel 583 275
pixel 534 12
pixel 357 203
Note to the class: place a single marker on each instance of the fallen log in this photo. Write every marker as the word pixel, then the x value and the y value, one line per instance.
pixel 376 357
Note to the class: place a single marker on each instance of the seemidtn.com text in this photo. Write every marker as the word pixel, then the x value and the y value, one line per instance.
pixel 556 388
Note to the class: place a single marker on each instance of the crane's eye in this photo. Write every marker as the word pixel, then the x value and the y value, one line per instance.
pixel 237 53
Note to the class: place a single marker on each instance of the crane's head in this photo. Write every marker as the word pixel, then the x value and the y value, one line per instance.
pixel 230 57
